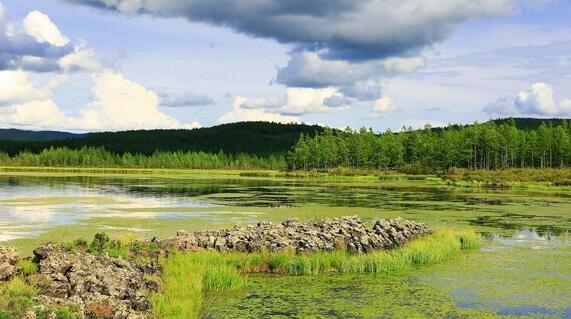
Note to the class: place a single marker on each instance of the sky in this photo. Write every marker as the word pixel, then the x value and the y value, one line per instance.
pixel 109 65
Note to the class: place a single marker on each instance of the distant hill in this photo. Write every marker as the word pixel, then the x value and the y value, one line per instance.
pixel 23 135
pixel 261 138
pixel 526 123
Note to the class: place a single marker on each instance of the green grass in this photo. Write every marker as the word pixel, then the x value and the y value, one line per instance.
pixel 187 276
pixel 28 266
pixel 16 300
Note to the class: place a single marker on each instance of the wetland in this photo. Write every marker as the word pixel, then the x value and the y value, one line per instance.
pixel 523 268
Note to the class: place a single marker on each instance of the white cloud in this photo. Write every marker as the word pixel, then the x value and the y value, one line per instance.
pixel 298 101
pixel 39 26
pixel 119 104
pixel 15 87
pixel 241 114
pixel 358 80
pixel 81 58
pixel 539 100
pixel 306 100
pixel 37 114
pixel 384 105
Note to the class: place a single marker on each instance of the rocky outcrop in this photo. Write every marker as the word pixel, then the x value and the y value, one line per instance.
pixel 8 260
pixel 103 287
pixel 315 235
pixel 112 288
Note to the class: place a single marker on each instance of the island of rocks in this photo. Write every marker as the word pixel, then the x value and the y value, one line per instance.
pixel 105 287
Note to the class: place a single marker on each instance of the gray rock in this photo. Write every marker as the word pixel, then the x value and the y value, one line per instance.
pixel 312 236
pixel 8 259
pixel 102 286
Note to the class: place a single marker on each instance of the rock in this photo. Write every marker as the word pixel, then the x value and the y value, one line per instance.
pixel 8 259
pixel 7 272
pixel 102 286
pixel 8 255
pixel 315 235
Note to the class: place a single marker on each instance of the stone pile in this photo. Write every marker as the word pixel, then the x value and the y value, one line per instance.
pixel 8 260
pixel 103 287
pixel 315 235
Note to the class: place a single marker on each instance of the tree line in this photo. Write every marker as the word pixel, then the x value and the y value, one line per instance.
pixel 492 145
pixel 100 157
pixel 487 146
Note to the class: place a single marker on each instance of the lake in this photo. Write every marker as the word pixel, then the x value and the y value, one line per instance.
pixel 522 270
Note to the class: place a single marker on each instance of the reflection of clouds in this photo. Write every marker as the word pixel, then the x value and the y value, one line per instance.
pixel 25 211
pixel 30 214
pixel 532 239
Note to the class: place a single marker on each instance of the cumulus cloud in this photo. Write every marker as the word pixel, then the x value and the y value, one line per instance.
pixel 384 105
pixel 306 100
pixel 297 101
pixel 354 30
pixel 349 45
pixel 242 114
pixel 17 87
pixel 82 58
pixel 36 44
pixel 185 99
pixel 39 26
pixel 538 100
pixel 118 104
pixel 121 104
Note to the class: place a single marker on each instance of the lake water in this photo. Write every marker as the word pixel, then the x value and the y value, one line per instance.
pixel 522 270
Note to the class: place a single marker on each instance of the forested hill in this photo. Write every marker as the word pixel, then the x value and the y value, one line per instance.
pixel 260 138
pixel 528 123
pixel 29 136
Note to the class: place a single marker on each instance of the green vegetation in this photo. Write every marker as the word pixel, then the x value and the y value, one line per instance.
pixel 16 301
pixel 29 267
pixel 187 276
pixel 500 144
pixel 99 157
pixel 479 147
pixel 259 138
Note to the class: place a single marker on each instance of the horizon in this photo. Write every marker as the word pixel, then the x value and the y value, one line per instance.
pixel 94 66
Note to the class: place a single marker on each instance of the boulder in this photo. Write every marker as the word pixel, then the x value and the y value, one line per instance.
pixel 102 286
pixel 8 259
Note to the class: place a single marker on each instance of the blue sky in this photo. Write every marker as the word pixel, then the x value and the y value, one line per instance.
pixel 127 64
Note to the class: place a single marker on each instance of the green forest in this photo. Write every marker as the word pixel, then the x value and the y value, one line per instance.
pixel 492 145
pixel 101 158
pixel 499 144
pixel 259 138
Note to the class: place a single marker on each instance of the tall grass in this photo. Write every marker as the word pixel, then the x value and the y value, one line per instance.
pixel 187 275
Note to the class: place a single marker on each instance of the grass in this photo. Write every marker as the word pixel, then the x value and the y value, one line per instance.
pixel 187 276
pixel 16 301
pixel 28 266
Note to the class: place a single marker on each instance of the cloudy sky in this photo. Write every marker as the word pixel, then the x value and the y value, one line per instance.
pixel 98 65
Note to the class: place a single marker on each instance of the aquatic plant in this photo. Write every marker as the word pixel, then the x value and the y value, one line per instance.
pixel 187 275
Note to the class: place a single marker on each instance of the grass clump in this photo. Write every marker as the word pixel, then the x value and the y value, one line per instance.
pixel 186 277
pixel 28 266
pixel 16 301
pixel 103 244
